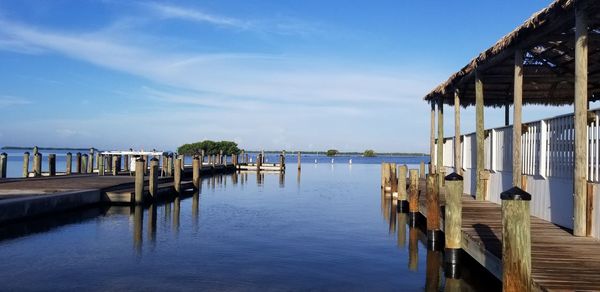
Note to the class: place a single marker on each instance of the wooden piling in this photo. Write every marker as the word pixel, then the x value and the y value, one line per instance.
pixel 422 169
pixel 26 164
pixel 101 170
pixel 90 165
pixel 51 164
pixel 37 165
pixel 299 158
pixel 139 181
pixel 516 240
pixel 84 163
pixel 69 168
pixel 413 195
pixel 259 162
pixel 433 211
pixel 126 162
pixel 453 221
pixel 153 179
pixel 393 181
pixel 177 176
pixel 77 162
pixel 196 172
pixel 3 164
pixel 402 195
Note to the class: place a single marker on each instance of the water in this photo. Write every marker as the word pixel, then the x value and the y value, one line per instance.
pixel 326 228
pixel 15 159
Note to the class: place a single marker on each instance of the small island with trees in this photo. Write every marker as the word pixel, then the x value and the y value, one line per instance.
pixel 209 147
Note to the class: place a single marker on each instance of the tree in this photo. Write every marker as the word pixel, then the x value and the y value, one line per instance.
pixel 332 152
pixel 209 147
pixel 369 153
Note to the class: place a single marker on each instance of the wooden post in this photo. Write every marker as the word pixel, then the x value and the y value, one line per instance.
pixel 96 158
pixel 115 166
pixel 281 162
pixel 299 158
pixel 139 181
pixel 393 181
pixel 413 196
pixel 259 162
pixel 516 240
pixel 196 172
pixel 453 221
pixel 383 176
pixel 26 164
pixel 77 162
pixel 517 104
pixel 84 163
pixel 422 169
pixel 440 143
pixel 220 159
pixel 457 148
pixel 101 170
pixel 51 164
pixel 177 176
pixel 153 179
pixel 3 164
pixel 480 136
pixel 90 165
pixel 432 139
pixel 37 165
pixel 433 211
pixel 402 194
pixel 262 156
pixel 387 187
pixel 506 113
pixel 126 163
pixel 69 167
pixel 581 97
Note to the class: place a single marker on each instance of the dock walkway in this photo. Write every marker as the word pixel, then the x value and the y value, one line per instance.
pixel 560 261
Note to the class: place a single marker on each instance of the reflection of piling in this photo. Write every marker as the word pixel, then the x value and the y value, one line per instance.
pixel 453 223
pixel 281 179
pixel 433 212
pixel 452 285
pixel 139 181
pixel 413 197
pixel 401 226
pixel 138 220
pixel 393 214
pixel 153 179
pixel 52 164
pixel 176 210
pixel 432 273
pixel 413 249
pixel 195 205
pixel 152 222
pixel 401 186
pixel 26 164
pixel 516 240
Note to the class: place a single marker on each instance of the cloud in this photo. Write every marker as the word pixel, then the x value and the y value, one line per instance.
pixel 176 12
pixel 7 100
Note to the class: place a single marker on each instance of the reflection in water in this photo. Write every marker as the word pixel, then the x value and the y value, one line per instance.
pixel 138 220
pixel 402 218
pixel 152 222
pixel 432 274
pixel 234 178
pixel 195 207
pixel 176 209
pixel 413 249
pixel 281 179
pixel 298 178
pixel 393 212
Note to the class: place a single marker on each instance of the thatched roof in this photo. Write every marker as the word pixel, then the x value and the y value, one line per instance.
pixel 547 40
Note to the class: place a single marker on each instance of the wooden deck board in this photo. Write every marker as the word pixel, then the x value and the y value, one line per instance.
pixel 560 261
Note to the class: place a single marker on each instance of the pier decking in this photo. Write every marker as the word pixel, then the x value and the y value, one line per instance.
pixel 560 261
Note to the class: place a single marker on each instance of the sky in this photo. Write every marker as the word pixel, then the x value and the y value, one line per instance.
pixel 273 74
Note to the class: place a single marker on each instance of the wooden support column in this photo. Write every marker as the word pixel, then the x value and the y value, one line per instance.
pixel 457 148
pixel 432 139
pixel 440 143
pixel 517 104
pixel 26 164
pixel 581 96
pixel 480 137
pixel 516 240
pixel 507 112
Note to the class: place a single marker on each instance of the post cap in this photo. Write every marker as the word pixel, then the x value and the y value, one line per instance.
pixel 453 176
pixel 516 194
pixel 69 153
pixel 154 159
pixel 3 154
pixel 26 153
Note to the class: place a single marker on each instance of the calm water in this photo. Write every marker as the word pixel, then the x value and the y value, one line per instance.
pixel 324 229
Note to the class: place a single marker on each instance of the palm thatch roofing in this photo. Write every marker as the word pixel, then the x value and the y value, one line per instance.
pixel 547 40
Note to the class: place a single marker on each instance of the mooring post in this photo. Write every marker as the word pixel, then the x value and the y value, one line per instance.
pixel 299 158
pixel 453 223
pixel 153 179
pixel 516 240
pixel 281 162
pixel 177 177
pixel 383 176
pixel 413 197
pixel 90 165
pixel 84 163
pixel 26 164
pixel 77 162
pixel 402 194
pixel 115 164
pixel 35 150
pixel 139 181
pixel 51 164
pixel 3 164
pixel 386 178
pixel 69 168
pixel 259 162
pixel 433 212
pixel 196 172
pixel 37 165
pixel 394 180
pixel 101 164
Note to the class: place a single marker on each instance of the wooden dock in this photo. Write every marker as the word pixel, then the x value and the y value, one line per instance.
pixel 560 261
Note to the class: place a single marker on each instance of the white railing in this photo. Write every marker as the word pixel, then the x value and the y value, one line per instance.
pixel 547 148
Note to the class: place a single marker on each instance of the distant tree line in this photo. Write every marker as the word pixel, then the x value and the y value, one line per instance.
pixel 209 147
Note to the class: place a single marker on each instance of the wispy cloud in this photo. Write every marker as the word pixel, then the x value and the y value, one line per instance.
pixel 177 12
pixel 8 100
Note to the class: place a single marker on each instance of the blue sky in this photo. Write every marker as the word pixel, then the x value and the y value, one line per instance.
pixel 307 75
